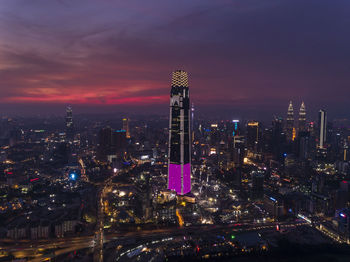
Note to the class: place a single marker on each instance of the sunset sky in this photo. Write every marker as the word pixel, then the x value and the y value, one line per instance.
pixel 244 57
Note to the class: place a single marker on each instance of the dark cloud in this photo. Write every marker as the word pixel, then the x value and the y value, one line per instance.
pixel 241 55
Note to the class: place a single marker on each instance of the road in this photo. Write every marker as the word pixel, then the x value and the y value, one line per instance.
pixel 62 246
pixel 130 251
pixel 98 241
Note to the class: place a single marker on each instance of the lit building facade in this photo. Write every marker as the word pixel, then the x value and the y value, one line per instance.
pixel 253 136
pixel 179 155
pixel 192 123
pixel 278 138
pixel 69 122
pixel 302 118
pixel 112 143
pixel 322 125
pixel 290 122
pixel 126 127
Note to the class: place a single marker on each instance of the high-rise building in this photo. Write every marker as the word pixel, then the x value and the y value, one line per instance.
pixel 69 122
pixel 214 138
pixel 119 140
pixel 179 156
pixel 302 118
pixel 235 127
pixel 126 127
pixel 104 143
pixel 278 138
pixel 257 184
pixel 322 126
pixel 112 143
pixel 238 151
pixel 192 122
pixel 303 145
pixel 235 156
pixel 222 155
pixel 290 122
pixel 253 136
pixel 345 153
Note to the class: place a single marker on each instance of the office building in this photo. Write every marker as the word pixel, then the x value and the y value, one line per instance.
pixel 278 138
pixel 126 127
pixel 257 184
pixel 69 123
pixel 235 127
pixel 322 126
pixel 290 122
pixel 192 122
pixel 253 136
pixel 112 143
pixel 302 118
pixel 179 154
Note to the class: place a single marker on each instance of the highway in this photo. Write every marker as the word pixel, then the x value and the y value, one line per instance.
pixel 36 249
pixel 98 240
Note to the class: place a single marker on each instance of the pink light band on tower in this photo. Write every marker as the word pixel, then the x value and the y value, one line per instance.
pixel 187 178
pixel 175 178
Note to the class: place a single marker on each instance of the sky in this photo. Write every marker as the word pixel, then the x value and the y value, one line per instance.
pixel 245 58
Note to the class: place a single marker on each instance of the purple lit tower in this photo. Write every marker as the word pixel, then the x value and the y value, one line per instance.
pixel 179 157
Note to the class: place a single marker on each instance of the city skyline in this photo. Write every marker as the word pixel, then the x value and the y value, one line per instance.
pixel 189 130
pixel 100 63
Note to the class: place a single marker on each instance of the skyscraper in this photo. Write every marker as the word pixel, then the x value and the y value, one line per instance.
pixel 126 127
pixel 192 123
pixel 290 122
pixel 253 136
pixel 237 156
pixel 278 138
pixel 322 125
pixel 112 143
pixel 179 156
pixel 302 118
pixel 235 128
pixel 257 185
pixel 69 122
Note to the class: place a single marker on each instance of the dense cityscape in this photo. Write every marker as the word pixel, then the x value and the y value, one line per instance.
pixel 174 187
pixel 167 131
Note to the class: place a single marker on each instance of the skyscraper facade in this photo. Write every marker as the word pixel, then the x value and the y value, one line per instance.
pixel 111 143
pixel 278 138
pixel 192 123
pixel 126 127
pixel 290 122
pixel 179 155
pixel 69 122
pixel 302 118
pixel 322 125
pixel 253 136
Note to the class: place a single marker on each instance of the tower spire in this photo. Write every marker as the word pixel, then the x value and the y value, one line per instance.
pixel 302 117
pixel 290 122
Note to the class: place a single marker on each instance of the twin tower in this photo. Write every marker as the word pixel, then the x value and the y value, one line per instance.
pixel 179 154
pixel 291 128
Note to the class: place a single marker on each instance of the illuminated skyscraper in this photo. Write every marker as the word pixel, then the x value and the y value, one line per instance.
pixel 111 143
pixel 192 122
pixel 253 136
pixel 290 122
pixel 278 138
pixel 179 156
pixel 69 122
pixel 126 127
pixel 235 128
pixel 322 125
pixel 302 118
